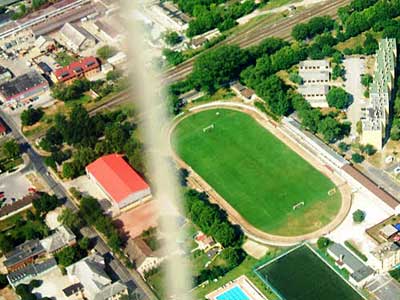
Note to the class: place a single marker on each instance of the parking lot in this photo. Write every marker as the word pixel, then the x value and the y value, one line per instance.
pixel 14 186
pixel 354 69
pixel 384 288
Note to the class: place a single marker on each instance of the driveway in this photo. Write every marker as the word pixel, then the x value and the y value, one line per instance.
pixel 354 69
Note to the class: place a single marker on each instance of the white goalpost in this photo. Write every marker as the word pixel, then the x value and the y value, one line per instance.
pixel 297 205
pixel 208 128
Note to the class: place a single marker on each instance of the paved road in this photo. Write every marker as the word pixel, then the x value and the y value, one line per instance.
pixel 36 164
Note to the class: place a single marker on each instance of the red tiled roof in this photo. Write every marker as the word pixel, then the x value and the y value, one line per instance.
pixel 116 176
pixel 77 67
pixel 3 128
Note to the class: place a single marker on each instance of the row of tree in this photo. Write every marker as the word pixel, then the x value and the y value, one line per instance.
pixel 208 17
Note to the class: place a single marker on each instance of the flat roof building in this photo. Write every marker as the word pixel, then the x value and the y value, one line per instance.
pixel 22 87
pixel 359 272
pixel 118 180
pixel 316 76
pixel 315 94
pixel 376 116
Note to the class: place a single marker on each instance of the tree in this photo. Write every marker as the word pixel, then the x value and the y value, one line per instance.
pixel 368 149
pixel 84 243
pixel 338 97
pixel 344 147
pixel 323 243
pixel 106 52
pixel 338 71
pixel 357 158
pixel 31 116
pixel 217 67
pixel 366 79
pixel 70 219
pixel 68 256
pixel 45 203
pixel 173 57
pixel 172 38
pixel 113 75
pixel 330 129
pixel 12 149
pixel 358 216
pixel 232 256
pixel 370 44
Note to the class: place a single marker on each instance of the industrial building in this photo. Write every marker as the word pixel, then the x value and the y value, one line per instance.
pixel 23 87
pixel 77 38
pixel 118 180
pixel 316 76
pixel 376 116
pixel 85 67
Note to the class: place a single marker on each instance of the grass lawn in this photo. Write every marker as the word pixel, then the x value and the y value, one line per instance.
pixel 309 277
pixel 259 175
pixel 64 59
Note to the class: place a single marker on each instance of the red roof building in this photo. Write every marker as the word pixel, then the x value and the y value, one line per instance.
pixel 3 128
pixel 77 69
pixel 118 180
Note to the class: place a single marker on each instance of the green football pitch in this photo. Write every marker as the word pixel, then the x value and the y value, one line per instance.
pixel 262 178
pixel 302 275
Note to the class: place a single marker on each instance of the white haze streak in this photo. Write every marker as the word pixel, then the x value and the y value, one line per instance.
pixel 145 84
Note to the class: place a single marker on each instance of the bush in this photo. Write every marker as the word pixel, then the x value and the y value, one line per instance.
pixel 357 158
pixel 106 52
pixel 358 216
pixel 31 116
pixel 172 38
pixel 323 243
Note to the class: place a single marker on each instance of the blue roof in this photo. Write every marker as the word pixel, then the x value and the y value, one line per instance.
pixel 397 226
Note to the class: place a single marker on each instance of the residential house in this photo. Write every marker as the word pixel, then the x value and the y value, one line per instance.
pixel 61 238
pixel 84 68
pixel 144 258
pixel 96 284
pixel 23 255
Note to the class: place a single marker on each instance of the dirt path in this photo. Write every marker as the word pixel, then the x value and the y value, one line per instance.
pixel 196 182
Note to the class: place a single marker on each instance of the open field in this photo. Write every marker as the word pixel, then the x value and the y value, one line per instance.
pixel 309 277
pixel 256 173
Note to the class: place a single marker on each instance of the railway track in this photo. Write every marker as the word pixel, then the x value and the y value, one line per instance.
pixel 252 36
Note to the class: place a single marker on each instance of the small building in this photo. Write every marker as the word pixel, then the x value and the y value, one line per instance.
pixel 108 31
pixel 144 258
pixel 118 180
pixel 388 231
pixel 61 238
pixel 5 74
pixel 23 255
pixel 386 256
pixel 96 284
pixel 44 68
pixel 204 241
pixel 105 68
pixel 30 272
pixel 44 43
pixel 315 77
pixel 3 128
pixel 74 291
pixel 360 273
pixel 23 87
pixel 243 92
pixel 118 59
pixel 315 94
pixel 314 65
pixel 84 68
pixel 77 38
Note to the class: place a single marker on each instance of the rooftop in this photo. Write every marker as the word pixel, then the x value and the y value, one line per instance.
pixel 76 68
pixel 116 176
pixel 23 252
pixel 21 84
pixel 31 270
pixel 75 34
